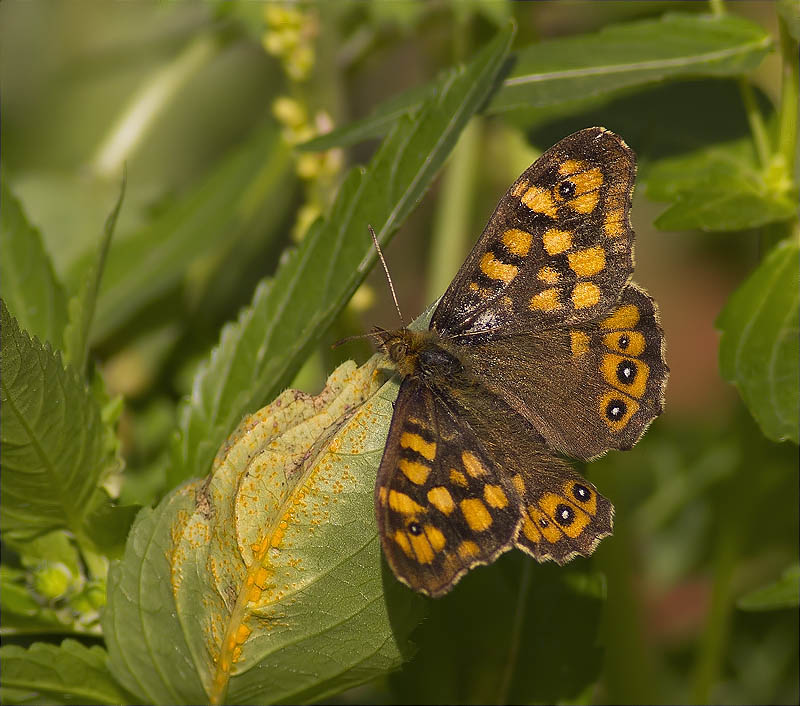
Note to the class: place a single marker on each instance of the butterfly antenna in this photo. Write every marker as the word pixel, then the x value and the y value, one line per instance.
pixel 386 270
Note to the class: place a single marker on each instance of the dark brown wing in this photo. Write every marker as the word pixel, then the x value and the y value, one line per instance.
pixel 585 388
pixel 558 248
pixel 464 478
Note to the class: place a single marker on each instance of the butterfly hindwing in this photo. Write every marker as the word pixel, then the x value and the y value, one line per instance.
pixel 558 248
pixel 585 388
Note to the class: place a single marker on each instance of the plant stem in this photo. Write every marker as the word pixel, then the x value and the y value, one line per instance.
pixel 787 131
pixel 757 127
pixel 714 639
pixel 451 230
pixel 516 633
pixel 717 7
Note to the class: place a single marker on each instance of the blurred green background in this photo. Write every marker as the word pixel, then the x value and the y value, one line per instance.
pixel 203 103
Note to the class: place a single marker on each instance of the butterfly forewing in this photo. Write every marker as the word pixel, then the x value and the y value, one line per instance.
pixel 440 503
pixel 558 247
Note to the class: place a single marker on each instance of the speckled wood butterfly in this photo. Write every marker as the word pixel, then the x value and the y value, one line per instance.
pixel 539 347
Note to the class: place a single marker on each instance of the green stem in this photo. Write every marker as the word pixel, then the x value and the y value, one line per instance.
pixel 714 640
pixel 516 633
pixel 757 127
pixel 717 7
pixel 787 131
pixel 452 234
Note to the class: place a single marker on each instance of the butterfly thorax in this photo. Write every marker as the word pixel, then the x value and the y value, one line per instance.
pixel 421 354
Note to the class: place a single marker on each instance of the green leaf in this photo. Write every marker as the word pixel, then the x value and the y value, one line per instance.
pixel 66 674
pixel 574 71
pixel 632 54
pixel 145 264
pixel 533 637
pixel 263 583
pixel 783 593
pixel 721 187
pixel 54 445
pixel 29 285
pixel 82 305
pixel 259 354
pixel 759 348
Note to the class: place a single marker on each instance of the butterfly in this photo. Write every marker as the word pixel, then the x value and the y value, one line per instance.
pixel 540 348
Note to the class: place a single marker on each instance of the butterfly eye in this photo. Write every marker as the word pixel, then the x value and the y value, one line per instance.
pixel 415 528
pixel 398 350
pixel 566 189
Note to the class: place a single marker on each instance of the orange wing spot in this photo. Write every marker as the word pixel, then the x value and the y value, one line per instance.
pixel 613 223
pixel 584 295
pixel 633 342
pixel 402 503
pixel 492 267
pixel 540 200
pixel 382 495
pixel 633 385
pixel 546 300
pixel 571 519
pixel 416 472
pixel 402 540
pixel 519 483
pixel 571 166
pixel 530 531
pixel 458 478
pixel 590 505
pixel 435 537
pixel 517 241
pixel 616 409
pixel 557 241
pixel 416 443
pixel 468 550
pixel 545 525
pixel 587 190
pixel 519 188
pixel 548 275
pixel 481 292
pixel 476 514
pixel 579 342
pixel 473 465
pixel 588 262
pixel 627 316
pixel 441 499
pixel 494 496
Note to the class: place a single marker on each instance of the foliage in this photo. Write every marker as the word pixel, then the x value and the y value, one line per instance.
pixel 143 325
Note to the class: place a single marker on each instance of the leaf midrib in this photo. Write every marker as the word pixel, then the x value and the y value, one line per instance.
pixel 637 66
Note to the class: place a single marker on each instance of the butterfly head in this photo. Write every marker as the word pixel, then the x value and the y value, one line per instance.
pixel 419 353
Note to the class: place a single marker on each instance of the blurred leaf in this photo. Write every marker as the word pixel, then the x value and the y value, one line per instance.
pixel 789 10
pixel 759 348
pixel 721 187
pixel 576 70
pixel 66 674
pixel 515 632
pixel 82 306
pixel 145 264
pixel 54 445
pixel 259 354
pixel 263 583
pixel 108 524
pixel 29 285
pixel 783 593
